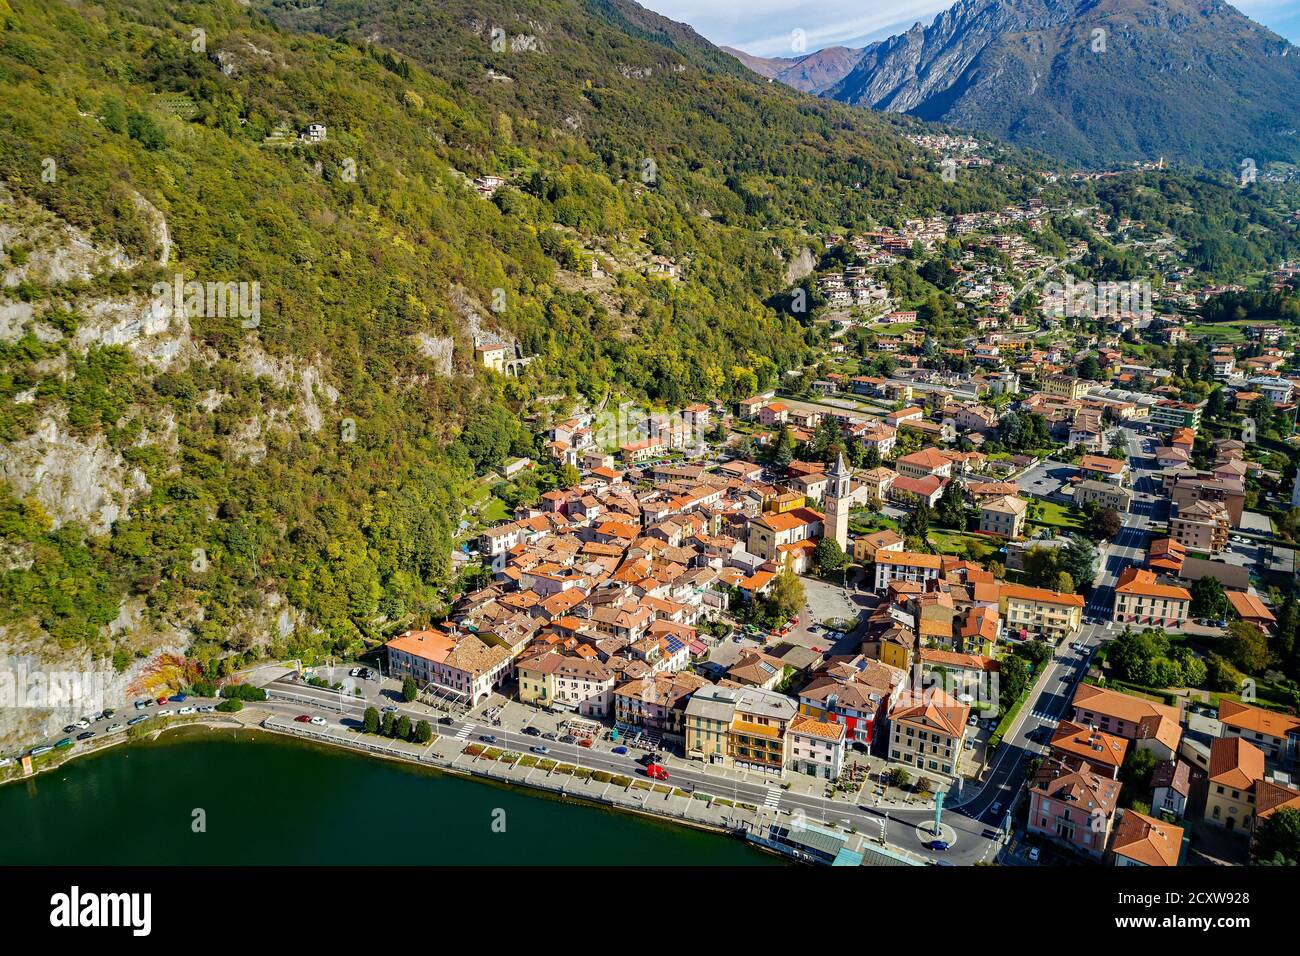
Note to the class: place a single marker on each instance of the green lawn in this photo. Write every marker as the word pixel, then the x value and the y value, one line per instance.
pixel 1054 515
pixel 958 543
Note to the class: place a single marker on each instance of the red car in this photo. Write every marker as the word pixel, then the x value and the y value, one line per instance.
pixel 163 699
pixel 584 742
pixel 303 718
pixel 656 772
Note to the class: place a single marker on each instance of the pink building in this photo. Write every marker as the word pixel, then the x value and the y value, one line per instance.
pixel 1074 807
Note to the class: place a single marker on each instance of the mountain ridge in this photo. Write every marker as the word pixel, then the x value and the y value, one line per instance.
pixel 1094 82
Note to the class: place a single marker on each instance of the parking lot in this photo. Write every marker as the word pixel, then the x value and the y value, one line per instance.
pixel 1045 479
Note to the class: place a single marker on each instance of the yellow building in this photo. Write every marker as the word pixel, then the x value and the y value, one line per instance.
pixel 1038 612
pixel 1235 767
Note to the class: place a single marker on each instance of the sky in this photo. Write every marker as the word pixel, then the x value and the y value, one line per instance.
pixel 766 27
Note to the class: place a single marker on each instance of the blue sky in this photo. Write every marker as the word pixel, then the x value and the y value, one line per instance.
pixel 765 27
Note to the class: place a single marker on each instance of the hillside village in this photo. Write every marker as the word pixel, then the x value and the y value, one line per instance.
pixel 882 562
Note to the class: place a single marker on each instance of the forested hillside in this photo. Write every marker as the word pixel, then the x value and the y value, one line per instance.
pixel 292 484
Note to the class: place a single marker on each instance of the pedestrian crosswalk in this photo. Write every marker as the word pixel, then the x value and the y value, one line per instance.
pixel 464 732
pixel 1042 714
pixel 773 800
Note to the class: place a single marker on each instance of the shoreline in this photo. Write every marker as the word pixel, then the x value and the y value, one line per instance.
pixel 208 726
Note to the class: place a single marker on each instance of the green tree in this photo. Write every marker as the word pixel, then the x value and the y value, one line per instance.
pixel 788 597
pixel 403 729
pixel 1209 599
pixel 951 511
pixel 423 732
pixel 1079 558
pixel 410 689
pixel 370 720
pixel 828 556
pixel 389 725
pixel 783 450
pixel 1135 772
pixel 1277 838
pixel 1247 647
pixel 872 458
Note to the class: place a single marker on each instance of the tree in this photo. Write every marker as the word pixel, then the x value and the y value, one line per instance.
pixel 1013 678
pixel 1064 583
pixel 410 689
pixel 1209 600
pixel 371 720
pixel 569 476
pixel 872 458
pixel 1222 676
pixel 1090 368
pixel 1079 558
pixel 423 732
pixel 898 777
pixel 952 506
pixel 403 729
pixel 1108 523
pixel 788 597
pixel 1247 647
pixel 917 524
pixel 829 556
pixel 1277 838
pixel 389 723
pixel 1135 772
pixel 783 451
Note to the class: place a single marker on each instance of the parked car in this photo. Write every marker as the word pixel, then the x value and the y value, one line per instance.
pixel 568 739
pixel 550 735
pixel 70 729
pixel 303 719
pixel 619 750
pixel 83 723
pixel 584 742
pixel 355 672
pixel 319 721
pixel 185 711
pixel 177 699
pixel 135 720
pixel 162 700
pixel 532 732
pixel 86 735
pixel 113 728
pixel 656 772
pixel 63 744
pixel 1033 854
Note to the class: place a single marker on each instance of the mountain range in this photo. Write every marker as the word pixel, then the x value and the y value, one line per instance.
pixel 1090 81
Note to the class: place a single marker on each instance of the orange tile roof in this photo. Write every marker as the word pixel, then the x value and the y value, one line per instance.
pixel 911 559
pixel 1256 719
pixel 1250 607
pixel 1026 593
pixel 1147 840
pixel 1235 763
pixel 1135 580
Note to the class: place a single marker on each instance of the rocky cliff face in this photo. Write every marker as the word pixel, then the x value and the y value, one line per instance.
pixel 1095 81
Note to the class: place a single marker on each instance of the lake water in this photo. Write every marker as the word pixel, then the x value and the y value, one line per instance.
pixel 267 800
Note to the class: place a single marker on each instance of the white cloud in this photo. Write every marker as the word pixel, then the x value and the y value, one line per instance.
pixel 764 27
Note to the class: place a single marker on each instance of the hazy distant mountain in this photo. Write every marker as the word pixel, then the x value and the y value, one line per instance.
pixel 1095 80
pixel 812 72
